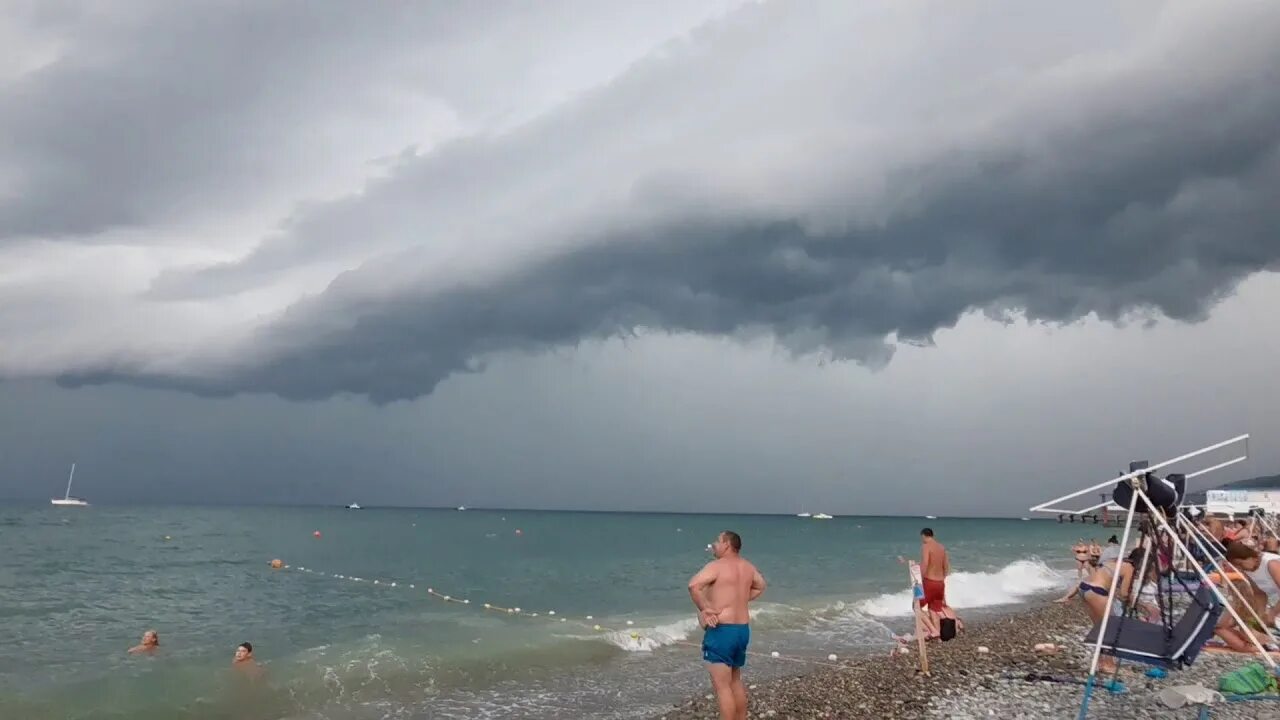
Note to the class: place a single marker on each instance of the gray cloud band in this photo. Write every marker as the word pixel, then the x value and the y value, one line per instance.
pixel 1152 190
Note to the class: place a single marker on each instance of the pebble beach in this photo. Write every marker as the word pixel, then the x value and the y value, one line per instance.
pixel 967 684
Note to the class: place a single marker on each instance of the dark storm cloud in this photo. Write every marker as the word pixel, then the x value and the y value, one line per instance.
pixel 1149 187
pixel 985 241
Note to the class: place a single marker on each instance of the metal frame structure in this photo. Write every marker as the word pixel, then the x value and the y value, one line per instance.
pixel 1137 480
pixel 1046 507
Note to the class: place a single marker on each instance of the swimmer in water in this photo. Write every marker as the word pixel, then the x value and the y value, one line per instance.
pixel 244 661
pixel 150 643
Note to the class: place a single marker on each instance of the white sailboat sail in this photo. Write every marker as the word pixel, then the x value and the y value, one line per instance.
pixel 67 500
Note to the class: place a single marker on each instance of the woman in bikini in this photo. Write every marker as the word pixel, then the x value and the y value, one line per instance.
pixel 1081 551
pixel 1095 589
pixel 1095 551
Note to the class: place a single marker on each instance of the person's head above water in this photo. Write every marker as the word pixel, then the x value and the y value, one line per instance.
pixel 244 651
pixel 1113 540
pixel 150 638
pixel 926 533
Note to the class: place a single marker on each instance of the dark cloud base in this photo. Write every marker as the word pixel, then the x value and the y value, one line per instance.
pixel 1155 196
pixel 985 243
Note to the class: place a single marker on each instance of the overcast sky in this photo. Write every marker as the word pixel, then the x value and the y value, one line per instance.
pixel 875 257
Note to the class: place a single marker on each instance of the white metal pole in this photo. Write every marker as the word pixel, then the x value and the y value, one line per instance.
pixel 1219 466
pixel 1143 471
pixel 1115 582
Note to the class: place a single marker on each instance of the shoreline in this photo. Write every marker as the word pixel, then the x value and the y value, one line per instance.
pixel 965 684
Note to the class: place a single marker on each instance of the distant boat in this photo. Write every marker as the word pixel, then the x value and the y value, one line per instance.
pixel 821 516
pixel 68 500
pixel 354 506
pixel 803 515
pixel 462 507
pixel 930 517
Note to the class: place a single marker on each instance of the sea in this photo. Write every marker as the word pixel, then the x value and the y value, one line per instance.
pixel 606 628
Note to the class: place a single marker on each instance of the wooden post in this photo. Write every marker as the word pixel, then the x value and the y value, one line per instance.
pixel 917 593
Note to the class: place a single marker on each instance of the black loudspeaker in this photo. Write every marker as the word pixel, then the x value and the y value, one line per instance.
pixel 1165 493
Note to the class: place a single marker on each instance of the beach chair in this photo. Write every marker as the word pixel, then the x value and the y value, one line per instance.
pixel 1162 645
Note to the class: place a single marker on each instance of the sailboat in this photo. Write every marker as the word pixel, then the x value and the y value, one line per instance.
pixel 354 506
pixel 67 499
pixel 821 516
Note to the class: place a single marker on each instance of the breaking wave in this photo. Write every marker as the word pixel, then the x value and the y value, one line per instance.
pixel 1010 584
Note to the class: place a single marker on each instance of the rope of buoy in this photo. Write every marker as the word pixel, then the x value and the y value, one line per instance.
pixel 587 621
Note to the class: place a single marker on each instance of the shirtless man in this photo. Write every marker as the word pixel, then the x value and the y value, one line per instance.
pixel 721 591
pixel 150 643
pixel 935 566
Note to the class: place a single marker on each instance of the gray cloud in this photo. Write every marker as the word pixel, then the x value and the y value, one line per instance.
pixel 836 213
pixel 148 112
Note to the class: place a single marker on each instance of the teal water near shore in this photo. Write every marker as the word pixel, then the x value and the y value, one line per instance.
pixel 79 585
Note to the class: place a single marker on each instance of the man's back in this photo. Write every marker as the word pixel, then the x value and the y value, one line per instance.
pixel 730 588
pixel 934 562
pixel 721 591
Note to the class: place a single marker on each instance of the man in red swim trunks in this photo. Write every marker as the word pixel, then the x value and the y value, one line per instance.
pixel 935 566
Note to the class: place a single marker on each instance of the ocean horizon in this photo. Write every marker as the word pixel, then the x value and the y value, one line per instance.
pixel 41 502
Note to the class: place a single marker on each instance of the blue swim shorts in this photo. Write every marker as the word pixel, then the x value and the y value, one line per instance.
pixel 726 645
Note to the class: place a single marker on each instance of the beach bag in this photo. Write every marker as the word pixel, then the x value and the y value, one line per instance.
pixel 1248 680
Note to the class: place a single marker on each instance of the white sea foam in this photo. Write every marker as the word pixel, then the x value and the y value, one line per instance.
pixel 648 639
pixel 1010 584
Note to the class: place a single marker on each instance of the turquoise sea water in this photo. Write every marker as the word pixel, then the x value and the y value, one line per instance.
pixel 79 585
